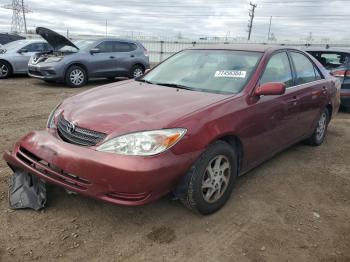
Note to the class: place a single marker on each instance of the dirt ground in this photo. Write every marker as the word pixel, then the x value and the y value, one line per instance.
pixel 295 207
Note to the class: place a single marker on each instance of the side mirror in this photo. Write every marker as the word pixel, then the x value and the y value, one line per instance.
pixel 23 50
pixel 95 51
pixel 270 89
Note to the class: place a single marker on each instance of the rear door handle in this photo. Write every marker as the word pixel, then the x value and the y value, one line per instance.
pixel 132 56
pixel 293 100
pixel 111 57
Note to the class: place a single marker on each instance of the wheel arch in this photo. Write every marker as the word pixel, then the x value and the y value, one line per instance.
pixel 78 64
pixel 139 64
pixel 236 143
pixel 8 62
pixel 329 107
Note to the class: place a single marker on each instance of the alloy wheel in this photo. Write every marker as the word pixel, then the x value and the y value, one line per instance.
pixel 216 178
pixel 76 77
pixel 137 72
pixel 321 126
pixel 3 70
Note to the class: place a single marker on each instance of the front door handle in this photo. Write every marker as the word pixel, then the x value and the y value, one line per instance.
pixel 132 56
pixel 111 57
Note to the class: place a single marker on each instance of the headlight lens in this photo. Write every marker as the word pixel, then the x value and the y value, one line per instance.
pixel 51 120
pixel 53 59
pixel 146 143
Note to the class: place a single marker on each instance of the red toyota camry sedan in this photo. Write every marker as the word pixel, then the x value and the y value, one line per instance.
pixel 189 126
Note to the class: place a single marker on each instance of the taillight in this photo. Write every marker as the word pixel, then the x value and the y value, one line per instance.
pixel 145 52
pixel 341 73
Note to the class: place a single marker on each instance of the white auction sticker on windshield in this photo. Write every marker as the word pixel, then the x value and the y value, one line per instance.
pixel 230 73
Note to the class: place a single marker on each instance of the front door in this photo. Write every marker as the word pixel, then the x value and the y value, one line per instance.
pixel 103 63
pixel 273 119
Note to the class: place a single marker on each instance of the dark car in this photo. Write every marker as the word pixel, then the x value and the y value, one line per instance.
pixel 337 61
pixel 74 64
pixel 189 126
pixel 7 38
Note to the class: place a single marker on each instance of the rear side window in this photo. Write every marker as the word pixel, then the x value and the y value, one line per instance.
pixel 278 70
pixel 304 69
pixel 124 47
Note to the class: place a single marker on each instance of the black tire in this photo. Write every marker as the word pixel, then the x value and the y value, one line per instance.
pixel 136 71
pixel 5 69
pixel 190 191
pixel 316 139
pixel 77 70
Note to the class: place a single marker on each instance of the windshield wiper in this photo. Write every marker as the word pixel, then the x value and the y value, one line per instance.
pixel 145 81
pixel 175 85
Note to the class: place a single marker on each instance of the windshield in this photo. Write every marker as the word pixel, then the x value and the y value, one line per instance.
pixel 81 44
pixel 219 71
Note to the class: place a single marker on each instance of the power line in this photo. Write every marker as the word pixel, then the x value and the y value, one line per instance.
pixel 251 15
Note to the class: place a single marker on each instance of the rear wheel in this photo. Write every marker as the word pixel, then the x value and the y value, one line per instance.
pixel 136 71
pixel 209 183
pixel 75 76
pixel 5 70
pixel 320 131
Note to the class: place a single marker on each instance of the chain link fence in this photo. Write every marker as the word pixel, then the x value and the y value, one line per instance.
pixel 160 48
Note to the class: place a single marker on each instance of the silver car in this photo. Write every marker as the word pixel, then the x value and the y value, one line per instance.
pixel 14 56
pixel 76 63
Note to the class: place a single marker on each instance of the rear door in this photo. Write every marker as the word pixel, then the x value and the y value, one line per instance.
pixel 310 90
pixel 125 53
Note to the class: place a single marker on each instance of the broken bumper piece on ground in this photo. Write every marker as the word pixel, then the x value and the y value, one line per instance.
pixel 26 191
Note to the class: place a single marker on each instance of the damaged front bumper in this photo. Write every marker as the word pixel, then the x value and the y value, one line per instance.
pixel 124 180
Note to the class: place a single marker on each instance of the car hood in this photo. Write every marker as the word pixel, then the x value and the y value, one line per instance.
pixel 131 106
pixel 56 40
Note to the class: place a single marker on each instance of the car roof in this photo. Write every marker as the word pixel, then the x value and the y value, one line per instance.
pixel 244 47
pixel 322 49
pixel 115 39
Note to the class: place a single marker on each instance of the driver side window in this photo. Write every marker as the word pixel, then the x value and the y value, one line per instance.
pixel 35 47
pixel 278 70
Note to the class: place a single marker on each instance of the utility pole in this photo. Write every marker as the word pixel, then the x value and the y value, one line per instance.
pixel 18 16
pixel 268 34
pixel 251 15
pixel 106 27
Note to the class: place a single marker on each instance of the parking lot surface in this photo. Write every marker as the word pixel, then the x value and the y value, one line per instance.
pixel 295 207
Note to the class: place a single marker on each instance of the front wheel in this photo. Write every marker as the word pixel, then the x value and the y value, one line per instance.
pixel 75 76
pixel 5 70
pixel 209 183
pixel 320 131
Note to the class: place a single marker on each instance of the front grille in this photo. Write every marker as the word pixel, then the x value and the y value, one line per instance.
pixel 36 73
pixel 77 135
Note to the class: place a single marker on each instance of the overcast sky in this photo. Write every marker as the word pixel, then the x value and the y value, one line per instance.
pixel 291 18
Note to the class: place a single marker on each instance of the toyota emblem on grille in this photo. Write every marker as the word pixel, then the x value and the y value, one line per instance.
pixel 70 127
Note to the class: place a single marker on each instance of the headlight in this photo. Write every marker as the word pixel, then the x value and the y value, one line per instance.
pixel 146 143
pixel 51 120
pixel 53 59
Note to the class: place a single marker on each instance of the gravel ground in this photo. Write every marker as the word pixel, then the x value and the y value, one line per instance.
pixel 295 207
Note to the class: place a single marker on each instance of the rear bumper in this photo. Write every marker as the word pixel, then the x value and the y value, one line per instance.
pixel 113 178
pixel 345 97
